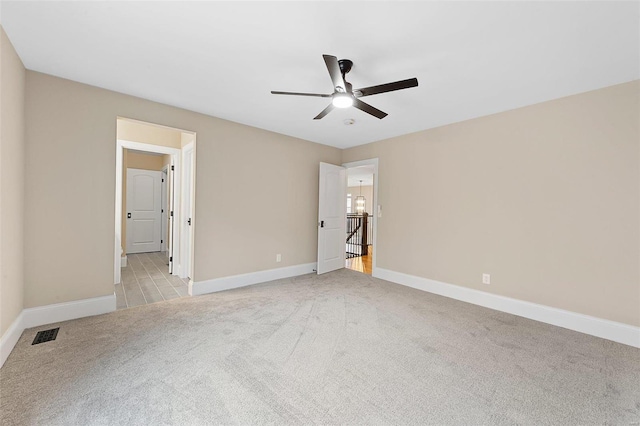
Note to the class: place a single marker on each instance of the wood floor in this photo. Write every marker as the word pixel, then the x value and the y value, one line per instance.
pixel 362 263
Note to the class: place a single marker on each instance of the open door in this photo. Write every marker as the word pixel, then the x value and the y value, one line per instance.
pixel 332 218
pixel 172 206
pixel 187 212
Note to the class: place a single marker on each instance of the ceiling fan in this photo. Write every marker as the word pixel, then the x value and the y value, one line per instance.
pixel 344 95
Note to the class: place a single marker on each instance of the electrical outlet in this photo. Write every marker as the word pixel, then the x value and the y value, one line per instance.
pixel 486 279
pixel 278 257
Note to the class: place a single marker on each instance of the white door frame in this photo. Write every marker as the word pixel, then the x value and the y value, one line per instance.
pixel 188 184
pixel 175 161
pixel 376 207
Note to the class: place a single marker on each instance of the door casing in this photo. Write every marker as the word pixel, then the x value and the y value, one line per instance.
pixel 188 209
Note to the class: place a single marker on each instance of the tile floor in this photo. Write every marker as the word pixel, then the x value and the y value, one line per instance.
pixel 146 279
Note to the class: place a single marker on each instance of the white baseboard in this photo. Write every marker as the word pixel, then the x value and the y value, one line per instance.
pixel 10 338
pixel 606 329
pixel 123 261
pixel 42 315
pixel 34 317
pixel 236 281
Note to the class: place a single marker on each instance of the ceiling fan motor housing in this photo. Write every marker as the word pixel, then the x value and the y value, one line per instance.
pixel 345 66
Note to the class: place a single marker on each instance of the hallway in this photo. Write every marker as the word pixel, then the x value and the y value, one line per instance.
pixel 146 280
pixel 361 263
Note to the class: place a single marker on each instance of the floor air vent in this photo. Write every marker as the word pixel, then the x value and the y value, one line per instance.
pixel 46 336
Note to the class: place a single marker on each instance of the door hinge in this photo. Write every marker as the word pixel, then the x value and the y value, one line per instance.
pixel 161 210
pixel 172 168
pixel 171 213
pixel 163 180
pixel 189 221
pixel 171 259
pixel 161 241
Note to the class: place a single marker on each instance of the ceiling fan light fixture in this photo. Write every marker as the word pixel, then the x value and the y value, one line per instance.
pixel 344 96
pixel 342 100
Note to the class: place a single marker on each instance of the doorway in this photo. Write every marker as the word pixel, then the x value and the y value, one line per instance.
pixel 337 240
pixel 360 204
pixel 154 196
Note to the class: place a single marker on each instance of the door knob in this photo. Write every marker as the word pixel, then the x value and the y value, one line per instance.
pixel 128 215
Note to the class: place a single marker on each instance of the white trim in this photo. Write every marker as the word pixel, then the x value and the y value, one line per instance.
pixel 34 317
pixel 186 244
pixel 371 162
pixel 123 261
pixel 147 147
pixel 606 329
pixel 243 280
pixel 175 161
pixel 10 338
pixel 48 314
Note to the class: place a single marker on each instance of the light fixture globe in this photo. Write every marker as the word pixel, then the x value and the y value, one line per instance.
pixel 342 100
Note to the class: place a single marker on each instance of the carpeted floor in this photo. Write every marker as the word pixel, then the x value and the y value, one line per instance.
pixel 338 348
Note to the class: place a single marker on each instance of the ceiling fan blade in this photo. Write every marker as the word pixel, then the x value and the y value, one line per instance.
pixel 369 109
pixel 324 112
pixel 388 87
pixel 335 73
pixel 318 95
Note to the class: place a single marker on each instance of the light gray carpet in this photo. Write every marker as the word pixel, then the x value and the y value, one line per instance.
pixel 339 348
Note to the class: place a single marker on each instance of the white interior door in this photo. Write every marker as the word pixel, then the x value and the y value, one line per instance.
pixel 144 201
pixel 172 202
pixel 187 205
pixel 332 218
pixel 164 212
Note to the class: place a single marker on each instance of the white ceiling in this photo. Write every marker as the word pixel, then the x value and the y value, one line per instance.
pixel 223 58
pixel 357 174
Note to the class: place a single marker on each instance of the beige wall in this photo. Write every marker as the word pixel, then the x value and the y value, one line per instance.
pixel 131 130
pixel 12 154
pixel 135 160
pixel 367 192
pixel 70 167
pixel 544 198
